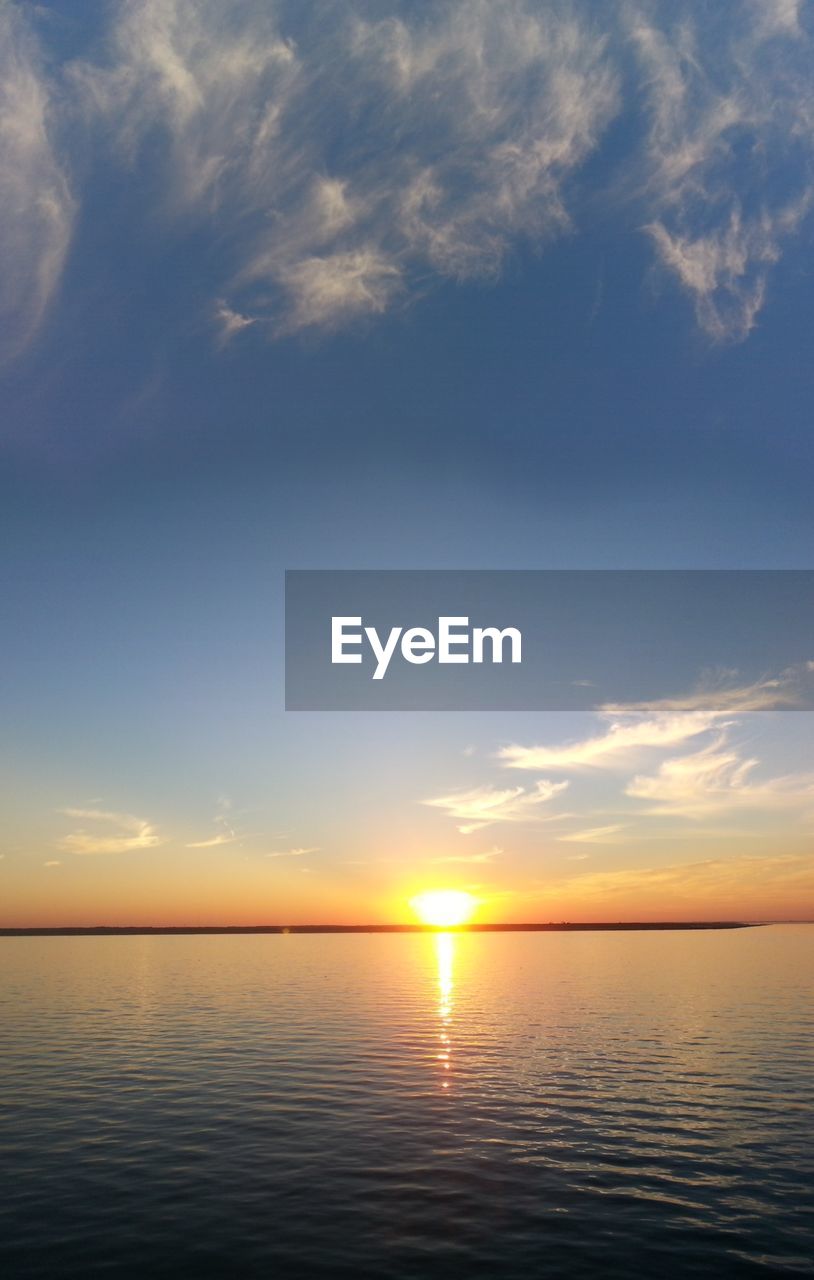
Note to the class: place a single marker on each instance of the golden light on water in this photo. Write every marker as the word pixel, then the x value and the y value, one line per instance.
pixel 445 948
pixel 444 908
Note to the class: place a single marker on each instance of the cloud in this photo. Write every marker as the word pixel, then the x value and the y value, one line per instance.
pixel 347 162
pixel 213 841
pixel 487 856
pixel 210 76
pixel 712 779
pixel 727 270
pixel 325 290
pixel 719 779
pixel 293 853
pixel 744 881
pixel 226 831
pixel 229 322
pixel 613 748
pixel 663 723
pixel 727 166
pixel 483 806
pixel 335 169
pixel 721 695
pixel 596 835
pixel 120 833
pixel 53 862
pixel 36 205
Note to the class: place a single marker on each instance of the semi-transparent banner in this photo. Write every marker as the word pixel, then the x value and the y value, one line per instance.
pixel 537 640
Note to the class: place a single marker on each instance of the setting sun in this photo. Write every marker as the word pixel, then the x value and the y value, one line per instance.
pixel 444 908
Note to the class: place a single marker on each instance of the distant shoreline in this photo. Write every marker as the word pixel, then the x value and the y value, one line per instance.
pixel 107 931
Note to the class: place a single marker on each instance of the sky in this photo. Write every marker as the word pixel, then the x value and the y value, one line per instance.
pixel 493 284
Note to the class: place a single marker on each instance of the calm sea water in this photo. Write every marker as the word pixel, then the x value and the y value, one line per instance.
pixel 408 1106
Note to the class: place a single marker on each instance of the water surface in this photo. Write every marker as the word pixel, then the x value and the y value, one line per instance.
pixel 408 1105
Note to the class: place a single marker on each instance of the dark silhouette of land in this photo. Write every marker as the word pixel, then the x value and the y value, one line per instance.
pixel 104 931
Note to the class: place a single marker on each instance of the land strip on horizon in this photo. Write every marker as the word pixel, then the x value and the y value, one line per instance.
pixel 95 931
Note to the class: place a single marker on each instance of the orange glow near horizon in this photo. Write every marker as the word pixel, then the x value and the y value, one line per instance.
pixel 167 887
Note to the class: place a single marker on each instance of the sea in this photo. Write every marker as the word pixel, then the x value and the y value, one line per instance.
pixel 408 1106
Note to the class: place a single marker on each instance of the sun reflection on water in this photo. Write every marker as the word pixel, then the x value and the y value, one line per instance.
pixel 445 952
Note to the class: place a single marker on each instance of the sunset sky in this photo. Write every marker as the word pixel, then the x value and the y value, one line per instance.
pixel 484 285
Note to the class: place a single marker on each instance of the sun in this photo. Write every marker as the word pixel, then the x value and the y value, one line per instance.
pixel 444 908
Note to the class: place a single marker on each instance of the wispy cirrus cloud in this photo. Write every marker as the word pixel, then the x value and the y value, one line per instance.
pixel 109 833
pixel 338 167
pixel 474 117
pixel 213 842
pixel 296 852
pixel 612 749
pixel 353 159
pixel 611 834
pixel 719 779
pixel 482 806
pixel 225 830
pixel 711 778
pixel 739 879
pixel 36 203
pixel 637 727
pixel 483 858
pixel 729 153
pixel 228 322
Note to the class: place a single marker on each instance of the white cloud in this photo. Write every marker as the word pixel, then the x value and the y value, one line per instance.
pixel 347 163
pixel 727 270
pixel 36 204
pixel 714 779
pixel 719 779
pixel 221 838
pixel 488 855
pixel 710 778
pixel 230 322
pixel 721 695
pixel 745 881
pixel 52 862
pixel 614 748
pixel 730 147
pixel 483 806
pixel 226 832
pixel 114 833
pixel 596 835
pixel 777 16
pixel 326 290
pixel 212 76
pixel 667 722
pixel 338 168
pixel 293 853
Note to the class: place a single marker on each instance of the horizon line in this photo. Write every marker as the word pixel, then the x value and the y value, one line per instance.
pixel 562 926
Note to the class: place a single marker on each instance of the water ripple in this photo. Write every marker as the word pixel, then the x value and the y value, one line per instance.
pixel 408 1106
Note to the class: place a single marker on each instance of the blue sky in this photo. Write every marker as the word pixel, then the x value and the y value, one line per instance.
pixel 499 285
